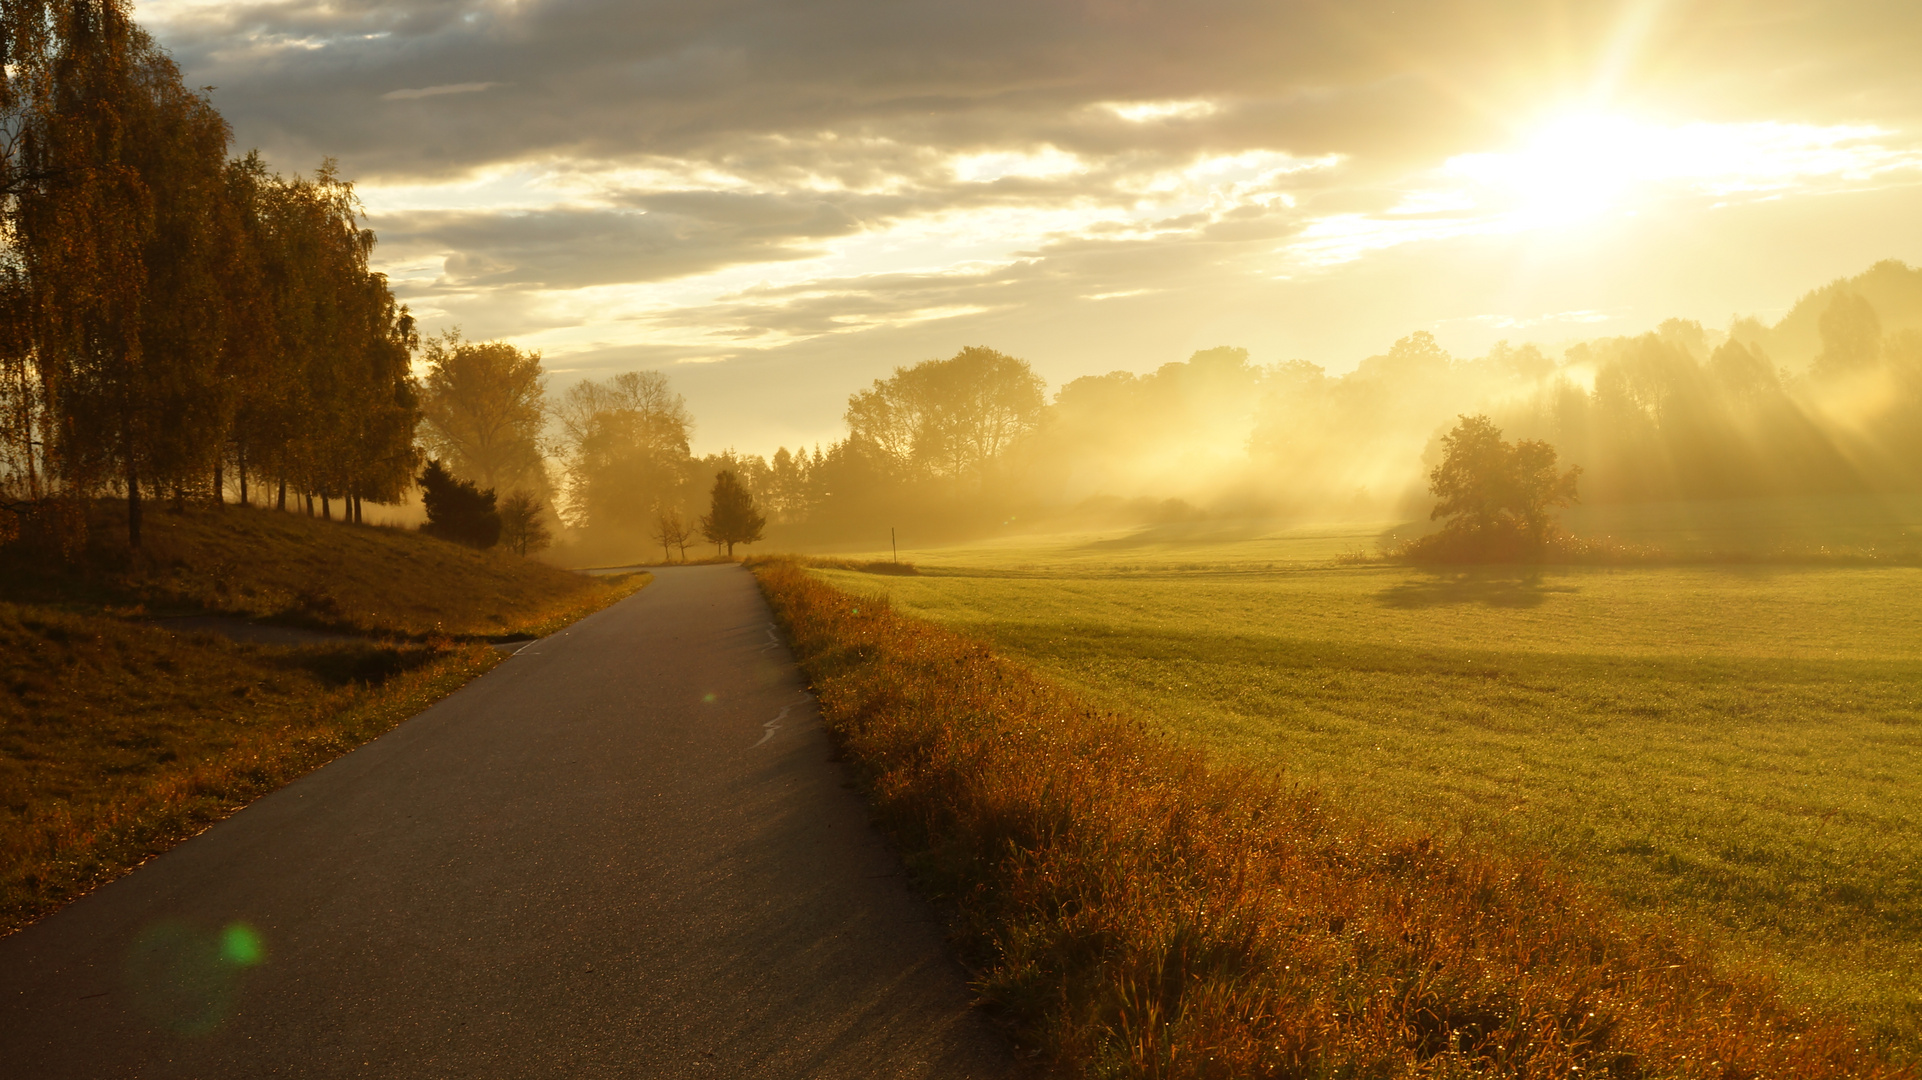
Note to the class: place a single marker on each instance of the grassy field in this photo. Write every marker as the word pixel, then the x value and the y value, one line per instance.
pixel 1738 749
pixel 1134 907
pixel 120 736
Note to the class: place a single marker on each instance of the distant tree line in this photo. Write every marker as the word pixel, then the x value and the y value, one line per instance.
pixel 1826 401
pixel 174 318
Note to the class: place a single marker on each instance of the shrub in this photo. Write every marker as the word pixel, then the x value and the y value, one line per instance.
pixel 457 510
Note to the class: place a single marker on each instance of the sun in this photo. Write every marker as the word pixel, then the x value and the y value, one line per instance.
pixel 1570 168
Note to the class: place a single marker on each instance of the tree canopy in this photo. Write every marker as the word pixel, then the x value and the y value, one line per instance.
pixel 625 442
pixel 484 405
pixel 170 313
pixel 953 418
pixel 1498 498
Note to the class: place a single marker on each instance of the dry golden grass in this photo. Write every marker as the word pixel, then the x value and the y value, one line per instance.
pixel 294 569
pixel 119 740
pixel 119 737
pixel 1139 911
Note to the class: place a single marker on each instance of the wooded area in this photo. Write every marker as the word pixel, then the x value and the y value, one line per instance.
pixel 170 313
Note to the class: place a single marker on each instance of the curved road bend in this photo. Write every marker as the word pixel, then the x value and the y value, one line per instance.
pixel 622 853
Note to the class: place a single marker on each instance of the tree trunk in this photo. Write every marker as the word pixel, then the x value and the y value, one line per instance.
pixel 220 486
pixel 357 510
pixel 310 504
pixel 240 468
pixel 283 495
pixel 326 509
pixel 133 503
pixel 26 433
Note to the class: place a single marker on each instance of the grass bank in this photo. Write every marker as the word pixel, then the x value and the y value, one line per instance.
pixel 1141 909
pixel 120 736
pixel 298 571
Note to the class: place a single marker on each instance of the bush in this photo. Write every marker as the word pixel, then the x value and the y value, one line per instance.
pixel 457 510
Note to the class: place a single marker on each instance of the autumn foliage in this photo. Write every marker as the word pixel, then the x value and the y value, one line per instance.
pixel 1135 909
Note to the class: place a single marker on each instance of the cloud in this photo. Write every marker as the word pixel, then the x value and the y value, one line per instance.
pixel 436 91
pixel 834 181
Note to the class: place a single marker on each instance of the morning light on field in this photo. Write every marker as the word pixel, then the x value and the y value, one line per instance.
pixel 1085 539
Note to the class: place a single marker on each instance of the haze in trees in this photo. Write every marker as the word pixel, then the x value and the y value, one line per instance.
pixel 672 532
pixel 625 444
pixel 522 526
pixel 1498 498
pixel 969 445
pixel 954 419
pixel 483 406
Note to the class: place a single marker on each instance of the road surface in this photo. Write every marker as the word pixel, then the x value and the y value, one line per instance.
pixel 622 853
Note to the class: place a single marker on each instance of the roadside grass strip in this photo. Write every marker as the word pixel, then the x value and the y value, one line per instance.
pixel 119 739
pixel 1135 909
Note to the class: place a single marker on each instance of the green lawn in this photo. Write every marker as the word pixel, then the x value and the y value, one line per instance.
pixel 1736 748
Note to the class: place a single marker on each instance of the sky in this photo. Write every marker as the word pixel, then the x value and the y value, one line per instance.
pixel 777 201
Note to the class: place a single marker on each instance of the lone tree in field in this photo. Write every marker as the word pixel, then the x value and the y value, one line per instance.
pixel 1499 497
pixel 732 517
pixel 522 527
pixel 457 510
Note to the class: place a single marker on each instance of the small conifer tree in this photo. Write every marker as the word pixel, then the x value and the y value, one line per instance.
pixel 732 517
pixel 457 510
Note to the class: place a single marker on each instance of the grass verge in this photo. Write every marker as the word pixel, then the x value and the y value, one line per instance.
pixel 1138 910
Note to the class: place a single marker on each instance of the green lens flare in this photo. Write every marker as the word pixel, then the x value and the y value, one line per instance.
pixel 240 944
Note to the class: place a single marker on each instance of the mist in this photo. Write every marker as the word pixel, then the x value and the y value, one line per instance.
pixel 1825 402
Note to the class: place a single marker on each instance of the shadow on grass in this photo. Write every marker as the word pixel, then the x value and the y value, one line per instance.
pixel 1178 532
pixel 358 664
pixel 1503 588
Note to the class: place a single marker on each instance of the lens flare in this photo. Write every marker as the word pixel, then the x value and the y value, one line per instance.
pixel 186 979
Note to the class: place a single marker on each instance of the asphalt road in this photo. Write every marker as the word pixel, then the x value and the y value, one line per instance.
pixel 622 853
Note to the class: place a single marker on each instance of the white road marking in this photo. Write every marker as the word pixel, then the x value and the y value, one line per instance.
pixel 769 728
pixel 773 639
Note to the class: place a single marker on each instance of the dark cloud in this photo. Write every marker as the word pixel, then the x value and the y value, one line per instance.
pixel 574 248
pixel 705 79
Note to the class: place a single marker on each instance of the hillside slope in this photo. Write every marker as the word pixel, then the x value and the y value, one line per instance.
pixel 289 568
pixel 123 732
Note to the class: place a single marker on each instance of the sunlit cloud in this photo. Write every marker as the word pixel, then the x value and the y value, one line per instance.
pixel 1581 165
pixel 1584 168
pixel 437 91
pixel 1145 112
pixel 1046 163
